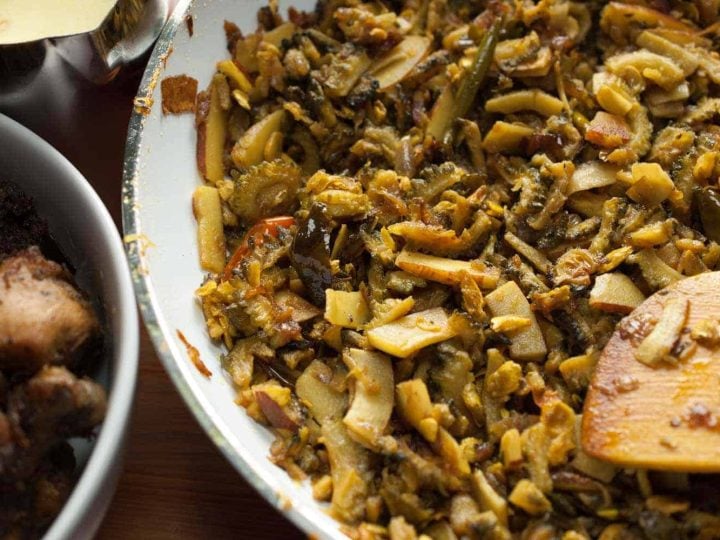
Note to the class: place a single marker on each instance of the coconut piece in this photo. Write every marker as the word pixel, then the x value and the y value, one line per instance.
pixel 448 271
pixel 528 343
pixel 413 332
pixel 392 67
pixel 651 184
pixel 373 399
pixel 346 309
pixel 592 175
pixel 249 149
pixel 300 309
pixel 615 293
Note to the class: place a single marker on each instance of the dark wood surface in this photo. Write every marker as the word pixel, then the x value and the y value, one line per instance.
pixel 175 483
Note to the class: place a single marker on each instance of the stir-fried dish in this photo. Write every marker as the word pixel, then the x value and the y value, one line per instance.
pixel 422 221
pixel 49 337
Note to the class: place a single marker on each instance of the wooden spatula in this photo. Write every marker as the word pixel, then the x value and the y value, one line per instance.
pixel 665 415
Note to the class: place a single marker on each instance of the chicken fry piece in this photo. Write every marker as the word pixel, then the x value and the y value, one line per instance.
pixel 43 318
pixel 46 409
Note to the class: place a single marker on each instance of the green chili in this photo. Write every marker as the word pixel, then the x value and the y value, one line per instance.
pixel 474 78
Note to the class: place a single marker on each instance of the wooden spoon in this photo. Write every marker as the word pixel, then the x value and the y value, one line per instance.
pixel 666 415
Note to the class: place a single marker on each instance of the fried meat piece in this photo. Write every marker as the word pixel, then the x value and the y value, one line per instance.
pixel 49 407
pixel 43 318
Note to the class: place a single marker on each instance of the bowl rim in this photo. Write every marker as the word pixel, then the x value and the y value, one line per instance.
pixel 109 443
pixel 144 289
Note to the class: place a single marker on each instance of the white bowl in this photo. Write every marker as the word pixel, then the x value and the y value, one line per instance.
pixel 160 176
pixel 87 236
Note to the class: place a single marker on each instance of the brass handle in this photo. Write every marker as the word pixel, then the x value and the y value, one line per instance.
pixel 127 33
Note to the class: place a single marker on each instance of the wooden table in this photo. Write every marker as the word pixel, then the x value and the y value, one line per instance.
pixel 176 484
